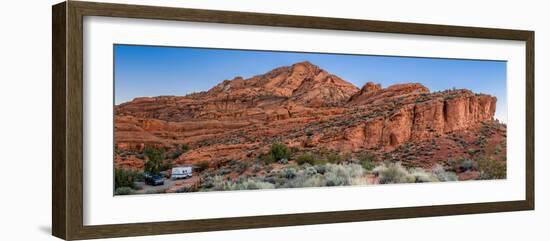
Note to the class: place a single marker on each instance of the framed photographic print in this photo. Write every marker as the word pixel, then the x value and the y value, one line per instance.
pixel 171 120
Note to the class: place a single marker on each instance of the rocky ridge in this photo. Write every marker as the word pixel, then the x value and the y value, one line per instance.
pixel 306 108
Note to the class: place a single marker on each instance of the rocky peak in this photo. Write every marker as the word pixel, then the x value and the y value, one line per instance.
pixel 301 82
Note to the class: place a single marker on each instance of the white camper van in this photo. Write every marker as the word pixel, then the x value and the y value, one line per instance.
pixel 182 172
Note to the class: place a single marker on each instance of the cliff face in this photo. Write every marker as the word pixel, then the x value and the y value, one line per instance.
pixel 431 114
pixel 300 105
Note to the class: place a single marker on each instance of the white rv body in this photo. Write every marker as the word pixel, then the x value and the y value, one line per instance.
pixel 181 172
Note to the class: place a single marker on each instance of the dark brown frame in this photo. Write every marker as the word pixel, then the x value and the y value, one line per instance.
pixel 67 123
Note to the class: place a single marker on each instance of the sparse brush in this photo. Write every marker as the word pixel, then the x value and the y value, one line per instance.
pixel 393 173
pixel 305 158
pixel 422 175
pixel 126 178
pixel 467 165
pixel 491 169
pixel 289 173
pixel 442 175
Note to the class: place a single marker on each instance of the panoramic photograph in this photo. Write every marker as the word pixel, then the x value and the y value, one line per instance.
pixel 200 119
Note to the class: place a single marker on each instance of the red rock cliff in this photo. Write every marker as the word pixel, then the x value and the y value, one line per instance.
pixel 301 105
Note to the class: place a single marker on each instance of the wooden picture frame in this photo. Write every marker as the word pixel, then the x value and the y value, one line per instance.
pixel 67 100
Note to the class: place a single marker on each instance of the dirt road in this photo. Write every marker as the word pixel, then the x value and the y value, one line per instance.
pixel 169 185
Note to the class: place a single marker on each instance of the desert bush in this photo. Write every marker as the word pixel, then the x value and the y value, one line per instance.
pixel 366 160
pixel 338 175
pixel 393 173
pixel 334 158
pixel 289 173
pixel 491 169
pixel 252 184
pixel 321 169
pixel 422 175
pixel 154 159
pixel 124 191
pixel 279 151
pixel 126 178
pixel 316 180
pixel 219 184
pixel 467 165
pixel 442 175
pixel 305 158
pixel 310 171
pixel 207 182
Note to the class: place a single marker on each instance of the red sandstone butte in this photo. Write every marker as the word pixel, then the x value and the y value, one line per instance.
pixel 304 107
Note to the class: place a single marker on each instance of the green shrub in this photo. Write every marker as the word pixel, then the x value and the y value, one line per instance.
pixel 267 158
pixel 154 160
pixel 491 169
pixel 366 160
pixel 126 178
pixel 279 151
pixel 305 158
pixel 124 191
pixel 334 158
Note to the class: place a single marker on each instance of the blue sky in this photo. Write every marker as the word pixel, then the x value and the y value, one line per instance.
pixel 153 71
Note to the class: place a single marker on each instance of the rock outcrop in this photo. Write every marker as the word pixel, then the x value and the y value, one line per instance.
pixel 300 105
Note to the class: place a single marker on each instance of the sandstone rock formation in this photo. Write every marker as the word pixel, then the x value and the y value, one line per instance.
pixel 303 106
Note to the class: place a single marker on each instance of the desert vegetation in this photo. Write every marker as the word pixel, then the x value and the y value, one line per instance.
pixel 321 169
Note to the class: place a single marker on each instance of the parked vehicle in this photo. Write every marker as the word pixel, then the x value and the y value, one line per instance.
pixel 153 179
pixel 182 172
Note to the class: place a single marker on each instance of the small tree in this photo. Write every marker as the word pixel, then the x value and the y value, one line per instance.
pixel 124 178
pixel 154 160
pixel 367 161
pixel 279 151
